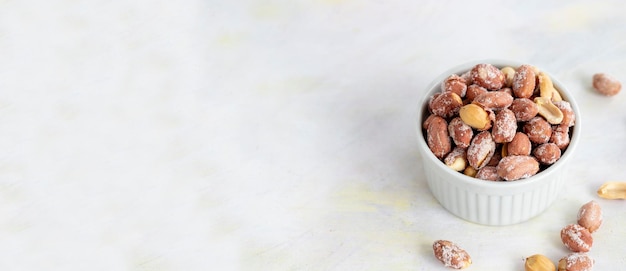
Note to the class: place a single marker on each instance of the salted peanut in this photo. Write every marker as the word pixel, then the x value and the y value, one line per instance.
pixel 470 171
pixel 576 262
pixel 487 76
pixel 560 136
pixel 446 105
pixel 590 216
pixel 432 99
pixel 549 111
pixel 538 130
pixel 438 138
pixel 524 82
pixel 467 76
pixel 612 190
pixel 520 145
pixel 456 159
pixel 569 118
pixel 497 155
pixel 509 73
pixel 481 150
pixel 474 91
pixel 547 153
pixel 515 167
pixel 494 100
pixel 475 116
pixel 506 90
pixel 460 132
pixel 451 255
pixel 576 238
pixel 456 84
pixel 488 173
pixel 524 109
pixel 504 126
pixel 539 262
pixel 427 120
pixel 606 85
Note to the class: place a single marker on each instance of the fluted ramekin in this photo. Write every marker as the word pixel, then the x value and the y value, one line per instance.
pixel 487 202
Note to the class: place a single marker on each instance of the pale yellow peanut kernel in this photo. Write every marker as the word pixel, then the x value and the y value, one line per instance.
pixel 613 190
pixel 548 110
pixel 470 171
pixel 545 85
pixel 509 73
pixel 539 262
pixel 458 164
pixel 475 116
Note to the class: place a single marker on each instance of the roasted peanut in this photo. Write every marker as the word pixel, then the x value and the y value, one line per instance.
pixel 515 167
pixel 576 238
pixel 475 116
pixel 520 145
pixel 539 262
pixel 524 81
pixel 487 76
pixel 549 111
pixel 488 173
pixel 524 109
pixel 446 105
pixel 547 153
pixel 606 84
pixel 612 190
pixel 456 84
pixel 481 150
pixel 460 132
pixel 451 255
pixel 438 138
pixel 576 262
pixel 538 130
pixel 504 126
pixel 590 216
pixel 494 100
pixel 474 91
pixel 457 159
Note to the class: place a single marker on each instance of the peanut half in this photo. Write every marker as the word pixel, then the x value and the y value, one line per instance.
pixel 546 88
pixel 613 190
pixel 549 111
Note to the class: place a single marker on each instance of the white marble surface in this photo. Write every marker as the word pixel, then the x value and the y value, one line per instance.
pixel 273 135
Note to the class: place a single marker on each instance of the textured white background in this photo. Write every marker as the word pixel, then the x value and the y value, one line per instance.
pixel 274 135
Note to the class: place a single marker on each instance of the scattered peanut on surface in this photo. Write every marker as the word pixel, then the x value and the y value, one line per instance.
pixel 612 190
pixel 576 262
pixel 539 262
pixel 590 216
pixel 576 238
pixel 606 84
pixel 451 255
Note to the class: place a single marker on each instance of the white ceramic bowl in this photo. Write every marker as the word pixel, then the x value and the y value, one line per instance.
pixel 487 202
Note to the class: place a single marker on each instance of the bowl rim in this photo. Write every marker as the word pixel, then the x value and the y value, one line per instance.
pixel 504 185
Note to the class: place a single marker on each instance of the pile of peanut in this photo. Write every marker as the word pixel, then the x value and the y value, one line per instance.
pixel 498 124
